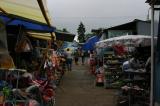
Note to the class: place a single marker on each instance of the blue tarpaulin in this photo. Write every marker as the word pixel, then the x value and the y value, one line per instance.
pixel 89 45
pixel 10 19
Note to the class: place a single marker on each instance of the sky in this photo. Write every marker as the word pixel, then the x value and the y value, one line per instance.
pixel 95 13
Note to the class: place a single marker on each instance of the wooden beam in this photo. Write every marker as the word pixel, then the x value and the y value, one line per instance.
pixel 40 2
pixel 1 9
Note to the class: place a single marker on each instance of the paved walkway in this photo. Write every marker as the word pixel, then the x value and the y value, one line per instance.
pixel 78 89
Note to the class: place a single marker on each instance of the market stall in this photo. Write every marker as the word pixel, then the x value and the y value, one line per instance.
pixel 122 70
pixel 21 49
pixel 127 40
pixel 22 83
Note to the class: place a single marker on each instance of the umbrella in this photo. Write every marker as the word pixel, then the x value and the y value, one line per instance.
pixel 127 40
pixel 90 44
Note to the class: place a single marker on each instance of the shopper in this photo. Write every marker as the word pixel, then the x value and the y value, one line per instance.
pixel 76 56
pixel 83 56
pixel 100 75
pixel 92 62
pixel 69 59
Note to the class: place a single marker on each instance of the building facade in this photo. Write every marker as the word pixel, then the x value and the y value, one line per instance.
pixel 135 27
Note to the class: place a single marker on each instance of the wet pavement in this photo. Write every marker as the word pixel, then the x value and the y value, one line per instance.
pixel 78 88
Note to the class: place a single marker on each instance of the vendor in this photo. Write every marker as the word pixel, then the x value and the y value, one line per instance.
pixel 148 65
pixel 135 61
pixel 133 64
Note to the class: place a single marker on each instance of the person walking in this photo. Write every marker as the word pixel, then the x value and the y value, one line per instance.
pixel 92 62
pixel 69 59
pixel 76 56
pixel 83 56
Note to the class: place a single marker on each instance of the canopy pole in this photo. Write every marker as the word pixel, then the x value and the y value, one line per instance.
pixel 152 57
pixel 40 2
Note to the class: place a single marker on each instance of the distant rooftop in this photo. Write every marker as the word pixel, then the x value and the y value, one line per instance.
pixel 155 2
pixel 97 30
pixel 128 25
pixel 64 36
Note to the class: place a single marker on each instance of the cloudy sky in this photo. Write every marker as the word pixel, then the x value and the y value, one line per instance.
pixel 95 13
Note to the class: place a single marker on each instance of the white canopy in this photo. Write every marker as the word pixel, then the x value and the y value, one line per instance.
pixel 127 40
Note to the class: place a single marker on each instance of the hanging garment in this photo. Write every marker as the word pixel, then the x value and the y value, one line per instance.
pixel 23 44
pixel 6 60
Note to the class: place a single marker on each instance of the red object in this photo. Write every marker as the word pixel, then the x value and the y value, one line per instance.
pixel 92 62
pixel 99 78
pixel 48 94
pixel 120 49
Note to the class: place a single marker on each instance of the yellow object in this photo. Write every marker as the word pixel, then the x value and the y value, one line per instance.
pixel 6 61
pixel 43 36
pixel 63 59
pixel 26 8
pixel 1 97
pixel 29 9
pixel 70 50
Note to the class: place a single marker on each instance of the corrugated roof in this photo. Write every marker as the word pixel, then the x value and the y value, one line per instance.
pixel 126 26
pixel 155 2
pixel 64 36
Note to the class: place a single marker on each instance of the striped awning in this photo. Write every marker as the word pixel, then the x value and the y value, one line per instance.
pixel 62 36
pixel 155 2
pixel 42 36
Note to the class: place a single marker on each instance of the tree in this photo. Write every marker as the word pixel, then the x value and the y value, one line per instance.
pixel 64 30
pixel 81 32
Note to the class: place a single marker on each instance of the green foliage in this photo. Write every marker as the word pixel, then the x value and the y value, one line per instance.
pixel 81 32
pixel 64 30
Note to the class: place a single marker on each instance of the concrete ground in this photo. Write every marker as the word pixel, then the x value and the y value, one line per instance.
pixel 78 88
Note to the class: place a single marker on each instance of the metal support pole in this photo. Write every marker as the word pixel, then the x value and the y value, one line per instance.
pixel 152 57
pixel 17 80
